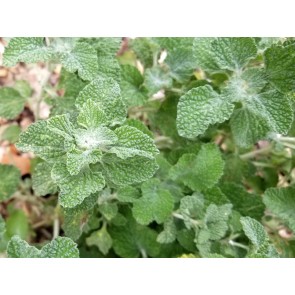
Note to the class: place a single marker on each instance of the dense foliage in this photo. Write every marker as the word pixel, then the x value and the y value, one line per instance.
pixel 164 147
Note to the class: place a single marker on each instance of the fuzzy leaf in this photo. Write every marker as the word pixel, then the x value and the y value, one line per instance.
pixel 129 171
pixel 41 141
pixel 254 231
pixel 168 235
pixel 245 203
pixel 199 108
pixel 29 50
pixel 57 248
pixel 60 248
pixel 18 248
pixel 101 239
pixel 156 79
pixel 216 218
pixel 11 103
pixel 233 53
pixel 203 54
pixel 281 202
pixel 10 178
pixel 41 180
pixel 128 194
pixel 108 67
pixel 75 188
pixel 11 133
pixel 132 142
pixel 156 203
pixel 262 114
pixel 106 94
pixel 75 219
pixel 95 138
pixel 82 58
pixel 181 64
pixel 77 159
pixel 199 172
pixel 61 125
pixel 91 116
pixel 140 126
pixel 134 240
pixel 104 45
pixel 133 93
pixel 279 61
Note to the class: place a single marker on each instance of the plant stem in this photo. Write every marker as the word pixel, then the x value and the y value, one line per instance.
pixel 55 227
pixel 235 244
pixel 256 152
pixel 261 164
pixel 143 253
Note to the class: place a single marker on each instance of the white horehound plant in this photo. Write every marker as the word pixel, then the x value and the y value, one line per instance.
pixel 174 147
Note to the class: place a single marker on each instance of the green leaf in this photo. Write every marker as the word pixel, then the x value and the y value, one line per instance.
pixel 134 240
pixel 106 94
pixel 70 83
pixel 259 238
pixel 245 203
pixel 128 194
pixel 18 248
pixel 203 54
pixel 57 248
pixel 61 125
pixel 11 133
pixel 216 218
pixel 191 207
pixel 41 141
pixel 91 116
pixel 80 57
pixel 108 210
pixel 104 45
pixel 199 108
pixel 279 61
pixel 73 56
pixel 60 248
pixel 243 86
pixel 168 235
pixel 11 103
pixel 41 180
pixel 181 64
pixel 156 203
pixel 75 188
pixel 17 224
pixel 254 231
pixel 140 126
pixel 201 171
pixel 129 171
pixel 101 239
pixel 233 53
pixel 131 85
pixel 132 142
pixel 145 49
pixel 77 159
pixel 63 105
pixel 170 43
pixel 76 219
pixel 24 88
pixel 156 79
pixel 10 178
pixel 108 67
pixel 29 50
pixel 262 114
pixel 95 138
pixel 281 202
